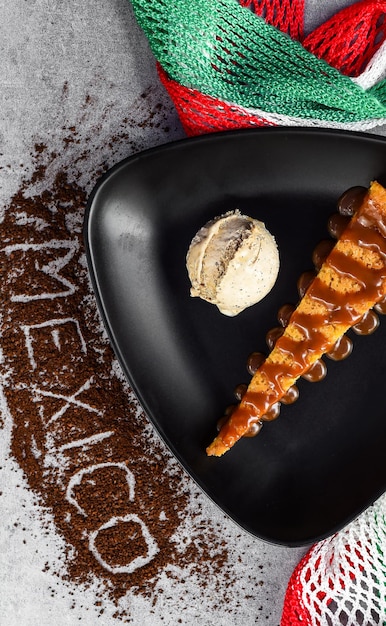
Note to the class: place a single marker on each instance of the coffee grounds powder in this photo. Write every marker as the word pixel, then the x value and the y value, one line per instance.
pixel 115 494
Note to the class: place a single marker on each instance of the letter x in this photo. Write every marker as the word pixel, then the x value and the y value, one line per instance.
pixel 69 400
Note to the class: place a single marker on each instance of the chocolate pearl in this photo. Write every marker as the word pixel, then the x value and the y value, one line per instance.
pixel 304 282
pixel 337 224
pixel 273 335
pixel 341 350
pixel 254 361
pixel 220 423
pixel 254 429
pixel 350 201
pixel 229 410
pixel 380 307
pixel 227 413
pixel 284 314
pixel 240 390
pixel 291 396
pixel 368 324
pixel 316 372
pixel 321 252
pixel 272 414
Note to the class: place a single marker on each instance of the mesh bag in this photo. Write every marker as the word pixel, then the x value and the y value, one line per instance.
pixel 230 64
pixel 342 580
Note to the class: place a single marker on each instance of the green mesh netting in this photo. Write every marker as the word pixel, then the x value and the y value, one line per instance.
pixel 225 50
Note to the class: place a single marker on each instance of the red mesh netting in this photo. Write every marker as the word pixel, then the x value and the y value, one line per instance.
pixel 287 15
pixel 348 48
pixel 351 37
pixel 201 114
pixel 342 580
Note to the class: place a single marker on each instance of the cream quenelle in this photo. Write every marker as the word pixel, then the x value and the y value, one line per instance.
pixel 232 262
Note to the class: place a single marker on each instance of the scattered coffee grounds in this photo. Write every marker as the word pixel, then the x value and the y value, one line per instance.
pixel 115 494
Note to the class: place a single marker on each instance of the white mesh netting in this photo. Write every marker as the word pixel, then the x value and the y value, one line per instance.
pixel 342 580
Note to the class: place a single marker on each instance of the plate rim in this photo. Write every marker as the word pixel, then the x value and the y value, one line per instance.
pixel 177 145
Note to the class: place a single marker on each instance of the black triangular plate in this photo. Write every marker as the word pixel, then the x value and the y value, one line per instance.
pixel 322 462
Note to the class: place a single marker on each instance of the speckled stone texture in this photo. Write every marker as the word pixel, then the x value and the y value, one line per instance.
pixel 77 79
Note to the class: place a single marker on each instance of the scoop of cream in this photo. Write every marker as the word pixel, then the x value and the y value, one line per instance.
pixel 232 262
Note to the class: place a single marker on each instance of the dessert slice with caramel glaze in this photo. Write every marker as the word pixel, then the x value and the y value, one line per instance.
pixel 350 281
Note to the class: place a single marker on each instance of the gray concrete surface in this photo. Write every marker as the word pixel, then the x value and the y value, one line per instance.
pixel 87 65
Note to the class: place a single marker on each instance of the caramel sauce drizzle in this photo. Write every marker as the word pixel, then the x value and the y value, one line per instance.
pixel 369 231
